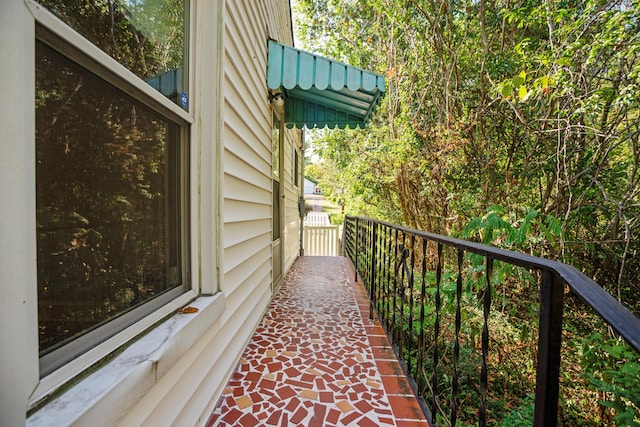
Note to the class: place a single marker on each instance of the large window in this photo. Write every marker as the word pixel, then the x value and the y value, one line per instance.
pixel 111 178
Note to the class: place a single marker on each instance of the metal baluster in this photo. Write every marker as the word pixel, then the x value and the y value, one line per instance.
pixel 363 254
pixel 390 257
pixel 403 267
pixel 372 294
pixel 344 248
pixel 345 237
pixel 364 247
pixel 361 248
pixel 352 239
pixel 423 292
pixel 355 250
pixel 395 288
pixel 379 264
pixel 455 382
pixel 371 250
pixel 549 344
pixel 369 256
pixel 486 302
pixel 436 335
pixel 410 286
pixel 383 260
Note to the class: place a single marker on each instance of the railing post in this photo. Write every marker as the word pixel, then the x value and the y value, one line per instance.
pixel 372 275
pixel 436 334
pixel 549 344
pixel 486 309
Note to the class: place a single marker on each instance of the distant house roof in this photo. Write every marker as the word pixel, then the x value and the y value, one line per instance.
pixel 320 91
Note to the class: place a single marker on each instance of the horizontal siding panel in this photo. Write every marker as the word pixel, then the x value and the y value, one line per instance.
pixel 246 66
pixel 245 63
pixel 236 233
pixel 292 243
pixel 247 277
pixel 237 189
pixel 238 254
pixel 245 139
pixel 239 117
pixel 237 137
pixel 248 270
pixel 240 13
pixel 252 29
pixel 237 165
pixel 246 49
pixel 236 211
pixel 280 20
pixel 243 143
pixel 242 297
pixel 236 79
pixel 291 211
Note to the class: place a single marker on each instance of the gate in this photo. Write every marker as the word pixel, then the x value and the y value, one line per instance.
pixel 320 238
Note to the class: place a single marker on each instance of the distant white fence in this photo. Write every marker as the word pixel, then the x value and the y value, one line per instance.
pixel 316 218
pixel 322 240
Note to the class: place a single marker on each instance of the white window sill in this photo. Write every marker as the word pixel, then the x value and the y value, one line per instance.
pixel 107 394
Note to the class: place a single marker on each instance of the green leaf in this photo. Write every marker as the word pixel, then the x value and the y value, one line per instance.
pixel 544 81
pixel 517 81
pixel 507 90
pixel 522 93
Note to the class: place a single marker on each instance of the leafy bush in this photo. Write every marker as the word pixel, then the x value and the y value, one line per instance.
pixel 612 368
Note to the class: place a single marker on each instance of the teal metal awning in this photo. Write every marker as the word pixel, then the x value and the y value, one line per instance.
pixel 322 92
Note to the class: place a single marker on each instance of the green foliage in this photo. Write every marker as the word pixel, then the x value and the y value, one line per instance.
pixel 521 416
pixel 496 104
pixel 532 233
pixel 401 306
pixel 510 123
pixel 612 368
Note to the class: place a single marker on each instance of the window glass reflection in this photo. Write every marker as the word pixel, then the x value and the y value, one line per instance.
pixel 146 36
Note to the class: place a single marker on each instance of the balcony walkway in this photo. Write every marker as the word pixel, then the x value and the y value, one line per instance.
pixel 317 360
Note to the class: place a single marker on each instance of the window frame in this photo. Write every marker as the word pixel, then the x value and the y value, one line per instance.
pixel 295 170
pixel 277 172
pixel 62 38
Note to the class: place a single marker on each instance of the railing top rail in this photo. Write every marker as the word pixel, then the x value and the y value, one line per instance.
pixel 607 307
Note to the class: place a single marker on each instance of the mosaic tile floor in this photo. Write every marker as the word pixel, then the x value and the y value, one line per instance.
pixel 318 360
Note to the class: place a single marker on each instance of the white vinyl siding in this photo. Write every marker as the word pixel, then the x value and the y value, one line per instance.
pixel 234 212
pixel 175 373
pixel 246 140
pixel 292 221
pixel 280 23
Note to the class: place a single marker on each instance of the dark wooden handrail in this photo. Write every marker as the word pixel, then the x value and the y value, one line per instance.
pixel 363 244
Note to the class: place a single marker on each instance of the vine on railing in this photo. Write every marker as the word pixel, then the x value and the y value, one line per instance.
pixel 434 297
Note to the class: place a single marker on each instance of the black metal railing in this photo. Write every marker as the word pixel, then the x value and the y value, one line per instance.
pixel 411 275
